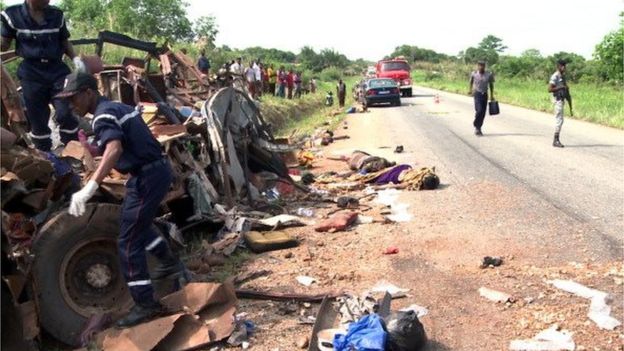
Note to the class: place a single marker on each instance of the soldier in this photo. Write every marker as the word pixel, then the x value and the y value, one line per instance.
pixel 128 146
pixel 478 88
pixel 41 39
pixel 559 88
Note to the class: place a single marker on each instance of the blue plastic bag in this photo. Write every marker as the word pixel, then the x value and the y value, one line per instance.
pixel 367 334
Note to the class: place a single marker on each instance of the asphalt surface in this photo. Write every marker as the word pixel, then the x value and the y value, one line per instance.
pixel 580 186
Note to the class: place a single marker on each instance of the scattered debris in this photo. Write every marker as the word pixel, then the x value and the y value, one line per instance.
pixel 348 202
pixel 399 149
pixel 302 342
pixel 391 250
pixel 405 331
pixel 599 309
pixel 269 241
pixel 550 339
pixel 393 290
pixel 419 310
pixel 368 333
pixel 491 262
pixel 496 296
pixel 337 222
pixel 305 212
pixel 208 317
pixel 305 280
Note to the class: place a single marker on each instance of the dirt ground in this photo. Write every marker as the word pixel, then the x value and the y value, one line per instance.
pixel 440 250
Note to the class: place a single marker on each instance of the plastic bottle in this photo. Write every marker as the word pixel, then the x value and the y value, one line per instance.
pixel 305 212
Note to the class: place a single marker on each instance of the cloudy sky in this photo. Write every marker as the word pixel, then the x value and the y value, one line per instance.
pixel 371 29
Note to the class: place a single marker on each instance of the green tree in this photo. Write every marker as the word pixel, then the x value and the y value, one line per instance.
pixel 472 55
pixel 145 19
pixel 610 56
pixel 492 43
pixel 206 30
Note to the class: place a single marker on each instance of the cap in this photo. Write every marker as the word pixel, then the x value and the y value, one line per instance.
pixel 562 62
pixel 77 82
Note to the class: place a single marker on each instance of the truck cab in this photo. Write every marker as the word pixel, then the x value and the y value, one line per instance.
pixel 399 70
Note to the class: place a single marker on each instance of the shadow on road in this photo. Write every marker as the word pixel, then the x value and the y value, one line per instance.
pixel 508 134
pixel 422 95
pixel 593 145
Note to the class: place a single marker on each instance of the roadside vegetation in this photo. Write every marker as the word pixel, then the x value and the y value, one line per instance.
pixel 596 84
pixel 594 102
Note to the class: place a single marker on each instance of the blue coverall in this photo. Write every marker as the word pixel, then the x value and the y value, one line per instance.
pixel 42 72
pixel 150 182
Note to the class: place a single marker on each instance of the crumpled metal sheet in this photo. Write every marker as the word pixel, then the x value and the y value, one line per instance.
pixel 208 315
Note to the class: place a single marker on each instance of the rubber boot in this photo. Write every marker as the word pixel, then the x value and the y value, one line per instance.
pixel 556 142
pixel 170 267
pixel 140 313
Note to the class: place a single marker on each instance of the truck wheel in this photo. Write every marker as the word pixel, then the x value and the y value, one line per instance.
pixel 409 92
pixel 76 270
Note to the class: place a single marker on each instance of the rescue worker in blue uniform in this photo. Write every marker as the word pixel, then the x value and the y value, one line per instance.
pixel 128 146
pixel 41 39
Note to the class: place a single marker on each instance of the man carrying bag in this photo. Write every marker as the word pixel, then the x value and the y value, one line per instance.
pixel 478 86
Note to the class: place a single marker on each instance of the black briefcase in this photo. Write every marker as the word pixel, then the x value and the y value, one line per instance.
pixel 493 107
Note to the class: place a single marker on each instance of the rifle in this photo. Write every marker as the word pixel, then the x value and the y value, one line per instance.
pixel 566 95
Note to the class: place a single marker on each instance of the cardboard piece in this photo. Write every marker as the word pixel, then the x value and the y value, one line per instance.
pixel 208 316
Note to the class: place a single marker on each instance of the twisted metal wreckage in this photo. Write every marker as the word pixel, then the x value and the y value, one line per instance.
pixel 61 270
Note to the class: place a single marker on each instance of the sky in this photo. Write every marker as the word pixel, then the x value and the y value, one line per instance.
pixel 372 29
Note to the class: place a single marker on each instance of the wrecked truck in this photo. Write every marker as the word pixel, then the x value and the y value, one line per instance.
pixel 59 271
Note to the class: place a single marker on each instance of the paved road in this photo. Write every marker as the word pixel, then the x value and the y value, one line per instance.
pixel 581 185
pixel 507 193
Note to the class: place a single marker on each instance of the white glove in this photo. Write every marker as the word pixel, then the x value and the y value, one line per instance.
pixel 79 200
pixel 79 65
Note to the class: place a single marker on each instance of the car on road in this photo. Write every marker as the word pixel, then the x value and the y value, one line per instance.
pixel 381 90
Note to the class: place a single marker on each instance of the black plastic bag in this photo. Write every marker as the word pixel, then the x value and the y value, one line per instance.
pixel 405 332
pixel 493 107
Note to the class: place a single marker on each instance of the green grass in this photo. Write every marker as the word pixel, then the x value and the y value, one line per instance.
pixel 310 119
pixel 602 104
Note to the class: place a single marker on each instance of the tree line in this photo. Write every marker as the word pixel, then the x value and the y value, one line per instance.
pixel 167 23
pixel 606 64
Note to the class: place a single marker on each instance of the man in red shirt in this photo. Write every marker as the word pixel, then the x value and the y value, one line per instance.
pixel 290 82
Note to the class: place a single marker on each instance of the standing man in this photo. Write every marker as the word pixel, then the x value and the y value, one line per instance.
pixel 282 78
pixel 202 63
pixel 478 88
pixel 237 70
pixel 129 147
pixel 250 76
pixel 272 79
pixel 41 39
pixel 341 91
pixel 298 81
pixel 290 82
pixel 258 76
pixel 559 88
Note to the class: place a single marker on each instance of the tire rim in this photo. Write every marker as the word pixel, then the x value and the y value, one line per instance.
pixel 90 278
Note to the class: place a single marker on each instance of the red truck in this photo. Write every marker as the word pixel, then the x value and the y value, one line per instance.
pixel 399 70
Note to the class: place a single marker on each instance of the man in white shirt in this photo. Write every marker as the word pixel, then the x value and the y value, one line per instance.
pixel 258 77
pixel 236 69
pixel 250 76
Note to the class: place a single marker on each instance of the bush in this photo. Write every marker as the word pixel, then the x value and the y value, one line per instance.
pixel 331 74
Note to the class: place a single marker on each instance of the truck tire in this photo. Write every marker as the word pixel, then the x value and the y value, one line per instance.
pixel 76 270
pixel 408 93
